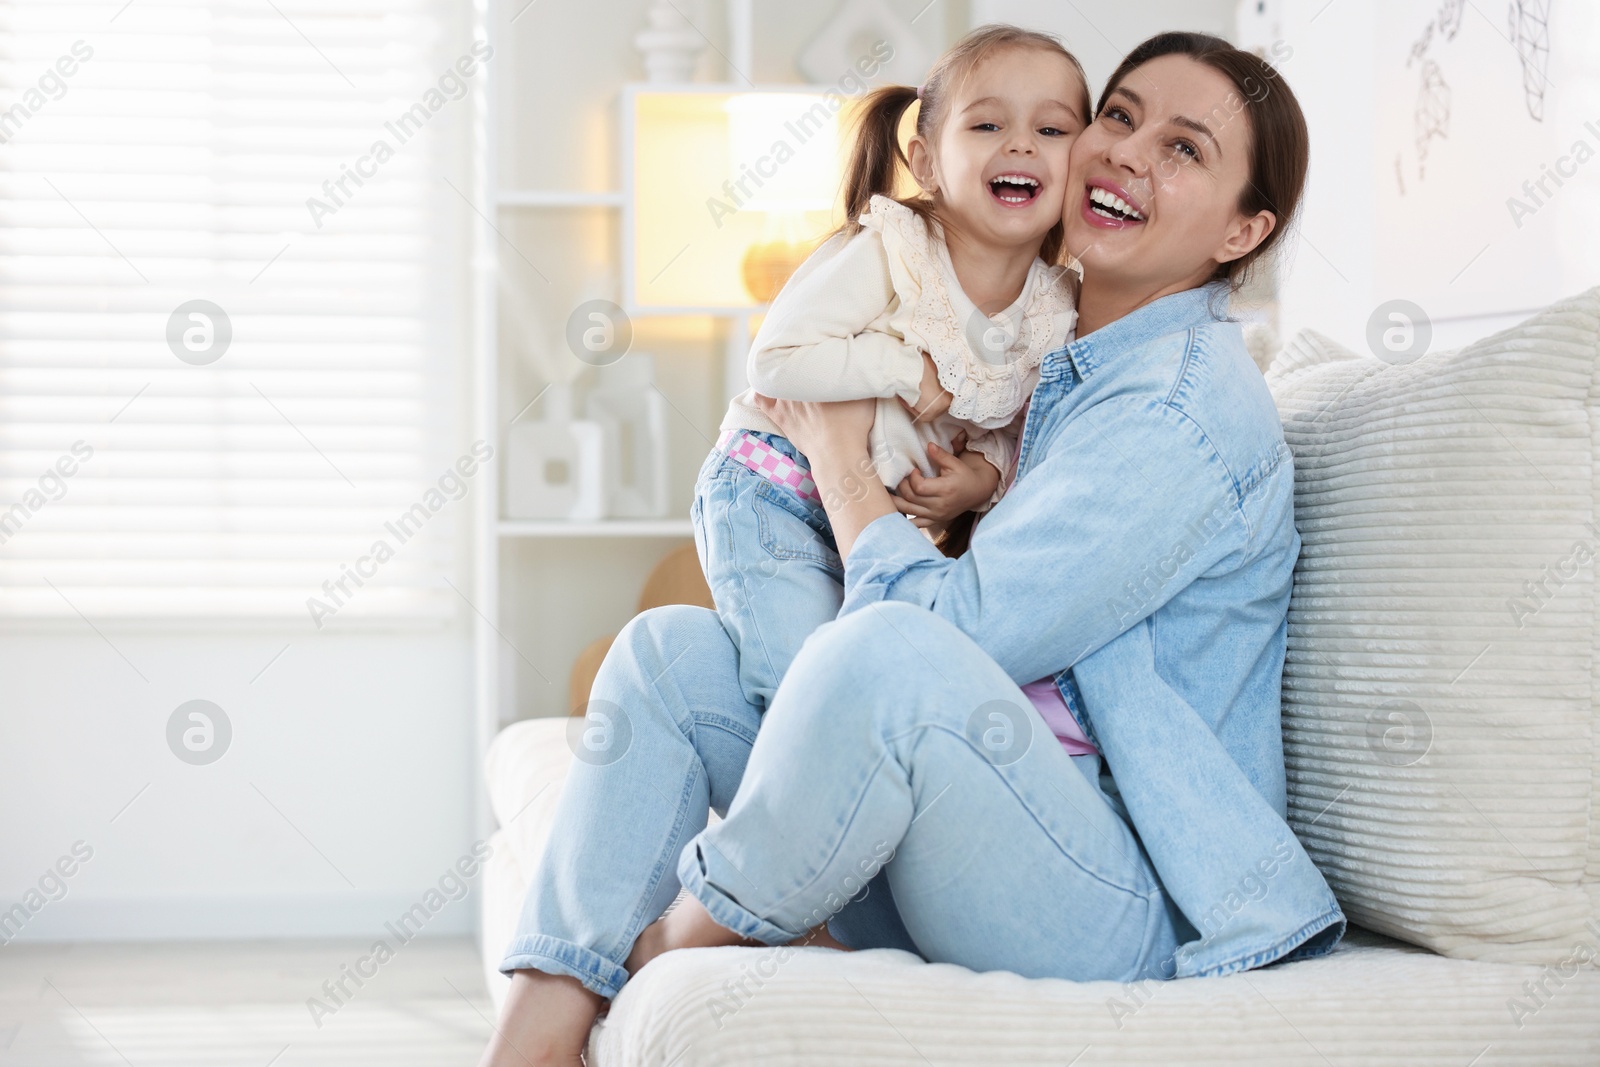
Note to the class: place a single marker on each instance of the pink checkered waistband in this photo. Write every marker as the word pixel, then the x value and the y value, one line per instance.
pixel 772 465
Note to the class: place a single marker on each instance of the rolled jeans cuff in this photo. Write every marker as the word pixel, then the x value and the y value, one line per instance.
pixel 554 956
pixel 722 907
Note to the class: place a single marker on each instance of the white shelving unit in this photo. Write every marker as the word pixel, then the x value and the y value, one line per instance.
pixel 493 535
pixel 556 199
pixel 602 528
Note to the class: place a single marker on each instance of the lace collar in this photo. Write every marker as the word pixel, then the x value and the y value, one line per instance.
pixel 984 361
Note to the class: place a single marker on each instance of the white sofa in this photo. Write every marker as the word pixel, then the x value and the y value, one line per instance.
pixel 1443 752
pixel 1374 1000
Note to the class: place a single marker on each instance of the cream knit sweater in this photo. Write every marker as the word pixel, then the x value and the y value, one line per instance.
pixel 855 318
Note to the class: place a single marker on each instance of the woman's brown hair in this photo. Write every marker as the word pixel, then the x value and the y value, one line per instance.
pixel 1280 147
pixel 876 156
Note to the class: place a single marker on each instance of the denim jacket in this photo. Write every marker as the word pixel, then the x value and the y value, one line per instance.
pixel 1143 557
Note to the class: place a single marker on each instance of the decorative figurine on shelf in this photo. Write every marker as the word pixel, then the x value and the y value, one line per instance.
pixel 555 466
pixel 668 44
pixel 632 416
pixel 860 27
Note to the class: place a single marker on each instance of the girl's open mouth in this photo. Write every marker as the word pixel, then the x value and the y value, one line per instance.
pixel 1014 189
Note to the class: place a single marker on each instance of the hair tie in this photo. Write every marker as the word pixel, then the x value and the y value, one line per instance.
pixel 919 92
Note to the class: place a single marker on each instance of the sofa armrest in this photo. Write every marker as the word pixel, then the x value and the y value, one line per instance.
pixel 524 770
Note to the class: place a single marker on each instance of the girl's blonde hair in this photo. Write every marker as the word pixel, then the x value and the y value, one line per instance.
pixel 876 156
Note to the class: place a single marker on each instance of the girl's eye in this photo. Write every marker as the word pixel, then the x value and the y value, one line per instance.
pixel 986 125
pixel 1053 131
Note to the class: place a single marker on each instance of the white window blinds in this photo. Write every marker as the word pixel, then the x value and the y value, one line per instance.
pixel 227 319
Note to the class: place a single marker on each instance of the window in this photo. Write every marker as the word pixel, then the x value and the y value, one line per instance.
pixel 228 309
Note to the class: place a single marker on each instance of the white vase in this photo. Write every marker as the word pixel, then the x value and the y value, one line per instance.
pixel 632 416
pixel 668 44
pixel 555 465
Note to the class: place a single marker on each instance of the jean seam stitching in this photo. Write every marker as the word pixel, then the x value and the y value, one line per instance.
pixel 769 539
pixel 1033 814
pixel 811 877
pixel 815 875
pixel 567 953
pixel 666 863
pixel 716 721
pixel 698 878
pixel 662 866
pixel 741 576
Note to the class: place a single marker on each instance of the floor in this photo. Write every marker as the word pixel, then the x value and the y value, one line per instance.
pixel 221 1004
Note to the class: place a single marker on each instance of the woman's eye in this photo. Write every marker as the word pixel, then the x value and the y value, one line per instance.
pixel 1188 149
pixel 1116 114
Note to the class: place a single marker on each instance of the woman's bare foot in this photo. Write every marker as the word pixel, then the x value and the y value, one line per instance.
pixel 688 925
pixel 818 937
pixel 545 1022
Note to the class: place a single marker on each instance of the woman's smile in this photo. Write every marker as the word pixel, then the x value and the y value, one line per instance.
pixel 1110 206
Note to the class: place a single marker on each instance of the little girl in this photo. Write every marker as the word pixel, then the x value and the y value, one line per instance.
pixel 941 307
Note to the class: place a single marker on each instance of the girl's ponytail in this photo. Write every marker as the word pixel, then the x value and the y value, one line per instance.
pixel 876 157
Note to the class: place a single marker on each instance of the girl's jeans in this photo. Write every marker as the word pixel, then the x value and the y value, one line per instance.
pixel 769 558
pixel 896 755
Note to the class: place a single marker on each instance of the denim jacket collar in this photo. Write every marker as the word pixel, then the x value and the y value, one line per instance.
pixel 1167 315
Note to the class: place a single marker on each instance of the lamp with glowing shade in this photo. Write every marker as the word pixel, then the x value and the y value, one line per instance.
pixel 726 193
pixel 789 180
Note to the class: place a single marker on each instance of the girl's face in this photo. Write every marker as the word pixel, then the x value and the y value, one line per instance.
pixel 1001 163
pixel 1152 202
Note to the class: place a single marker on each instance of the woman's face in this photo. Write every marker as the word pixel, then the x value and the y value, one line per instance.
pixel 1152 198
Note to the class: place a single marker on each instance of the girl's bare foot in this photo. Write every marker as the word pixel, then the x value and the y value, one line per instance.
pixel 545 1022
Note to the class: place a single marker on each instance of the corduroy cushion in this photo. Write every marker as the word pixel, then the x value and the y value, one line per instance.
pixel 1439 716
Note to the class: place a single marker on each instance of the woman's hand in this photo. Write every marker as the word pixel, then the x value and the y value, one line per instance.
pixel 833 436
pixel 933 399
pixel 964 481
pixel 821 429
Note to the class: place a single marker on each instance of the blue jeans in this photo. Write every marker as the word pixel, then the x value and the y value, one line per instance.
pixel 901 787
pixel 769 558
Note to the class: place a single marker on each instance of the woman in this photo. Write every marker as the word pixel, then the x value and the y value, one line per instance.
pixel 1143 556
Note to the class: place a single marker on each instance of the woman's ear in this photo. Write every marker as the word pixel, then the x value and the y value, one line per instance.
pixel 919 155
pixel 1244 235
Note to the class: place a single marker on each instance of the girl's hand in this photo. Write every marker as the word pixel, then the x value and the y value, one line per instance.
pixel 933 399
pixel 821 429
pixel 963 482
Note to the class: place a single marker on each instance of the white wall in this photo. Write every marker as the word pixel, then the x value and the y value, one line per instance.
pixel 363 743
pixel 1326 279
pixel 1447 243
pixel 1100 34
